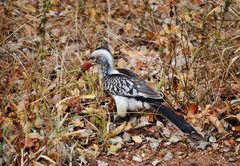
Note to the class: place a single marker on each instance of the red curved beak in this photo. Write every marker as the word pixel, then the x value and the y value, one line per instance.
pixel 85 66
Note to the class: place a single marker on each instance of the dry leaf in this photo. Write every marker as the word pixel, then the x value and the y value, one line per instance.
pixel 23 117
pixel 232 142
pixel 92 14
pixel 35 135
pixel 118 130
pixel 49 88
pixel 78 123
pixel 168 29
pixel 137 139
pixel 38 123
pixel 114 149
pixel 62 107
pixel 128 126
pixel 27 127
pixel 151 36
pixel 29 143
pixel 128 26
pixel 21 105
pixel 218 124
pixel 237 128
pixel 133 53
pixel 27 7
pixel 191 110
pixel 55 2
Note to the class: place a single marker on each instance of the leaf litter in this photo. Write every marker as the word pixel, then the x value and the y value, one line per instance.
pixel 187 49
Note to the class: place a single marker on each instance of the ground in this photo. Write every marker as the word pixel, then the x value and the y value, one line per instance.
pixel 188 50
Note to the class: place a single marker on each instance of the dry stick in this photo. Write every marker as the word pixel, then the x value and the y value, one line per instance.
pixel 224 136
pixel 220 28
pixel 216 161
pixel 71 153
pixel 12 34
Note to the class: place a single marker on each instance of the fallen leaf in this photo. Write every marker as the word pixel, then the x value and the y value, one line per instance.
pixel 78 123
pixel 128 26
pixel 168 29
pixel 92 14
pixel 151 36
pixel 35 135
pixel 237 128
pixel 114 149
pixel 27 127
pixel 55 2
pixel 191 109
pixel 137 139
pixel 115 140
pixel 128 126
pixel 137 158
pixel 118 130
pixel 133 53
pixel 22 105
pixel 27 7
pixel 232 142
pixel 218 124
pixel 29 143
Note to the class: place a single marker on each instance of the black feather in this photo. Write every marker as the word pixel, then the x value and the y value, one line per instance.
pixel 177 120
pixel 103 48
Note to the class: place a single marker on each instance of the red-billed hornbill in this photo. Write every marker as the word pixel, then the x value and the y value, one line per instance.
pixel 129 90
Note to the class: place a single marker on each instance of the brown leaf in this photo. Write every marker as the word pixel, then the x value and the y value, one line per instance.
pixel 21 105
pixel 17 125
pixel 191 110
pixel 55 2
pixel 27 127
pixel 232 142
pixel 114 149
pixel 151 36
pixel 137 139
pixel 29 143
pixel 128 26
pixel 128 126
pixel 168 57
pixel 78 123
pixel 217 123
pixel 237 128
pixel 118 130
pixel 29 8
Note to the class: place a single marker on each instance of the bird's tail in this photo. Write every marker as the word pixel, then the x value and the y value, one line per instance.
pixel 177 120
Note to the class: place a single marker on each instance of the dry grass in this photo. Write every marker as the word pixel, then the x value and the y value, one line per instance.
pixel 193 48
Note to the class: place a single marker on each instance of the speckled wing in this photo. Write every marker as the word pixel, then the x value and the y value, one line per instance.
pixel 128 84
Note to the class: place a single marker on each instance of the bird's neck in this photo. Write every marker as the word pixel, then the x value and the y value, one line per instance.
pixel 106 69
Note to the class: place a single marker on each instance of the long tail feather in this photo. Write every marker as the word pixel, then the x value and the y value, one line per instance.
pixel 177 120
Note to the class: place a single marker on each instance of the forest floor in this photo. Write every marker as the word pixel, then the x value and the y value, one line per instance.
pixel 187 49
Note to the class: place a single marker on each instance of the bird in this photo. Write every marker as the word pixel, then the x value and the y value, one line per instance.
pixel 129 90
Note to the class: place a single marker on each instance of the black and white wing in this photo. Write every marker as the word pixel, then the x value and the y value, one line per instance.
pixel 128 84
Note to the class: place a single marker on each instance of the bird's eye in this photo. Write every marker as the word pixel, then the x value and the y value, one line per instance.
pixel 93 58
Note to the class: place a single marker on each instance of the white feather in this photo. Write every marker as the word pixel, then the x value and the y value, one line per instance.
pixel 123 104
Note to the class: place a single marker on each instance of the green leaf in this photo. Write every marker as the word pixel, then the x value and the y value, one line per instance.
pixel 95 78
pixel 161 50
pixel 159 85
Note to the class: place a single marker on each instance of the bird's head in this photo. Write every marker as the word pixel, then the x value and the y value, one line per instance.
pixel 100 56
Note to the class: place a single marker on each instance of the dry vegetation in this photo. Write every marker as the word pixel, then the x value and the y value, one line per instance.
pixel 187 49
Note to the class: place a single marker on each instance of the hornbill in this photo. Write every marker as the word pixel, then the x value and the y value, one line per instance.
pixel 129 90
